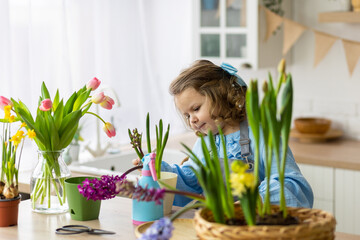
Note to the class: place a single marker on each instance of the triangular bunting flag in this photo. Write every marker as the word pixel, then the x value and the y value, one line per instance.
pixel 273 21
pixel 292 31
pixel 352 52
pixel 323 43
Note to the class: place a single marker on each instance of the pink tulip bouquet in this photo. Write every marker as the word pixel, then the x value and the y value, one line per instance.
pixel 55 125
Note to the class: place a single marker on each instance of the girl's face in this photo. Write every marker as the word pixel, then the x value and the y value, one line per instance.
pixel 196 109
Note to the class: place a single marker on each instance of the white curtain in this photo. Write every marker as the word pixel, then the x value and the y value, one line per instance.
pixel 135 47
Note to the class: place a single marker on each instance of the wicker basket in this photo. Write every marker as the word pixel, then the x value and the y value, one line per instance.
pixel 314 225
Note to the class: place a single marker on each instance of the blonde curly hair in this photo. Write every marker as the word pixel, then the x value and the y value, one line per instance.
pixel 227 97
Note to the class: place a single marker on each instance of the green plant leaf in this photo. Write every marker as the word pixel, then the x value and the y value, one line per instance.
pixel 86 109
pixel 58 115
pixel 69 104
pixel 42 128
pixel 44 91
pixel 22 111
pixel 69 121
pixel 81 99
pixel 191 154
pixel 53 133
pixel 148 133
pixel 68 135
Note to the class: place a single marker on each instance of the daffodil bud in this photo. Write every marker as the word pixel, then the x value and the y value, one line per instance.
pixel 265 87
pixel 282 66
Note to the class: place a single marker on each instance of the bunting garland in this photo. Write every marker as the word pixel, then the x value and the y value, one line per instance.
pixel 273 22
pixel 352 52
pixel 323 41
pixel 292 32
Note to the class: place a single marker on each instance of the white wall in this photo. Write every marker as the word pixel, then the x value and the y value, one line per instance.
pixel 327 90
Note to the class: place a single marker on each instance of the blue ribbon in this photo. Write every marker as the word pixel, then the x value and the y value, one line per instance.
pixel 232 71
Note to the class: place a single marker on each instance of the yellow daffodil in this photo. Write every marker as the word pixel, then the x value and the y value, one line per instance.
pixel 16 139
pixel 240 180
pixel 239 167
pixel 11 118
pixel 31 134
pixel 23 125
pixel 7 111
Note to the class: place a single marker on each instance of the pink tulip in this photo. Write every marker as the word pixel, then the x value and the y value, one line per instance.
pixel 45 105
pixel 107 103
pixel 5 102
pixel 98 98
pixel 109 129
pixel 93 84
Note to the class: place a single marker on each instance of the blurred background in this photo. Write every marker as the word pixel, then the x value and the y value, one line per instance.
pixel 137 47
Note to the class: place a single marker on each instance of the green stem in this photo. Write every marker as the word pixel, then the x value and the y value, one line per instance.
pixel 96 116
pixel 85 105
pixel 195 196
pixel 185 209
pixel 148 133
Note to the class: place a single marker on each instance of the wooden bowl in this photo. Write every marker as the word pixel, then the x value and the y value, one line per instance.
pixel 312 125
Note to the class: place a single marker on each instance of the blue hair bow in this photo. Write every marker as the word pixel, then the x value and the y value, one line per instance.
pixel 232 71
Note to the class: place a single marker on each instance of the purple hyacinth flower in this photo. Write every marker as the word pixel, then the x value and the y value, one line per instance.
pixel 159 230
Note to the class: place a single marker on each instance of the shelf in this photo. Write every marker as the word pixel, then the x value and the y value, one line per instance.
pixel 347 17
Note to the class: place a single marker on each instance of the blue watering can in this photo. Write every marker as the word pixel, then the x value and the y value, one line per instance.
pixel 147 211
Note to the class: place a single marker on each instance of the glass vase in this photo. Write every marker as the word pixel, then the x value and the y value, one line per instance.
pixel 47 183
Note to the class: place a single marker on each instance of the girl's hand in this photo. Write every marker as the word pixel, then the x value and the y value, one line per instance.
pixel 136 162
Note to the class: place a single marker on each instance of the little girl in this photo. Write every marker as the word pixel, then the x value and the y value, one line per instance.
pixel 207 95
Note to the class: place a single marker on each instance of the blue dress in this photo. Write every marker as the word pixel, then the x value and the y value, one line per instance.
pixel 298 192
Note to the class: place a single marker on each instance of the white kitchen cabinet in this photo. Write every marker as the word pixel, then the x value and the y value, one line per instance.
pixel 234 32
pixel 336 191
pixel 321 180
pixel 347 198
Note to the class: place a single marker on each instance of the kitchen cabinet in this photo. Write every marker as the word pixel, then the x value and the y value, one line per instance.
pixel 347 197
pixel 234 32
pixel 336 191
pixel 321 180
pixel 333 170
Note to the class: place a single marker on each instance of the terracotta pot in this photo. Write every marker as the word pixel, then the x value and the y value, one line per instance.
pixel 9 211
pixel 314 224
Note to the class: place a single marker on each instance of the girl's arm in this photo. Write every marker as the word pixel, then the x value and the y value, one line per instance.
pixel 298 192
pixel 186 179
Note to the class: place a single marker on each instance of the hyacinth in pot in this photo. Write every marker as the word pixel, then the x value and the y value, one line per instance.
pixel 55 125
pixel 164 179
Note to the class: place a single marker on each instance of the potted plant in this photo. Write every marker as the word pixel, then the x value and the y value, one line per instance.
pixel 11 146
pixel 165 179
pixel 55 124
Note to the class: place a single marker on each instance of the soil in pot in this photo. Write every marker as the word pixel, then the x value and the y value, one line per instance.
pixel 275 218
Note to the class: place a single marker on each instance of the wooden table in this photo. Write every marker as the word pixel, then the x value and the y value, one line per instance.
pixel 115 215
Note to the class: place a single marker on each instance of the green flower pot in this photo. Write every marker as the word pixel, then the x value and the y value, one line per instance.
pixel 80 208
